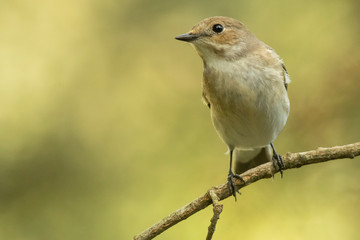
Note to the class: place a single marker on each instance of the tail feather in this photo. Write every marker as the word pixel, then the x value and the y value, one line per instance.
pixel 247 159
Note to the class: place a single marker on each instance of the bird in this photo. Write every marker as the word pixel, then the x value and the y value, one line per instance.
pixel 244 84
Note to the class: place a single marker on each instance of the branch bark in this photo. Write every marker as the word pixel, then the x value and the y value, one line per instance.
pixel 217 209
pixel 291 160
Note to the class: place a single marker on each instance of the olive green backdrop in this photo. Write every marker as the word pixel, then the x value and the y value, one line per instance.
pixel 103 133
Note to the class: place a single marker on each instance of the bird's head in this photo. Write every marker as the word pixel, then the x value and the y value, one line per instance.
pixel 219 37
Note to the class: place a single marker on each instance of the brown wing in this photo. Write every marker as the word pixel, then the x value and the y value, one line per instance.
pixel 206 101
pixel 285 73
pixel 286 76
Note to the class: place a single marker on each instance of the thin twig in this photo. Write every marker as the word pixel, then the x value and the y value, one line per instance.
pixel 217 209
pixel 291 160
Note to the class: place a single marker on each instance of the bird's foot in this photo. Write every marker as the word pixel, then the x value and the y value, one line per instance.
pixel 231 184
pixel 278 160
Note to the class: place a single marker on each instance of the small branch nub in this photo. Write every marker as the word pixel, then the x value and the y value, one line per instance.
pixel 217 209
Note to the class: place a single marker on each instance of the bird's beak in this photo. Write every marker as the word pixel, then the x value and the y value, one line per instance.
pixel 187 37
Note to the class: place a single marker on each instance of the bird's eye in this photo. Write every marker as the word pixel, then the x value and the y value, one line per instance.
pixel 218 28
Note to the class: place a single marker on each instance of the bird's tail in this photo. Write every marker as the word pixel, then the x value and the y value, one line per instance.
pixel 247 159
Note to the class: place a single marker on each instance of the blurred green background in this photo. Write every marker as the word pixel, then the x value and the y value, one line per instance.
pixel 103 132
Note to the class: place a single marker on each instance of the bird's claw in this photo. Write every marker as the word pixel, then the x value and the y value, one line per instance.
pixel 231 184
pixel 279 163
pixel 277 158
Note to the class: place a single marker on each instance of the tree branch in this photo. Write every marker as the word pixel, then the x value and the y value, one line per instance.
pixel 291 160
pixel 217 209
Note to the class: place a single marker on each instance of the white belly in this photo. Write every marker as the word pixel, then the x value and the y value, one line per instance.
pixel 249 129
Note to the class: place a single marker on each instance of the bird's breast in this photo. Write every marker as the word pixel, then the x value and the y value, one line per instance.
pixel 249 106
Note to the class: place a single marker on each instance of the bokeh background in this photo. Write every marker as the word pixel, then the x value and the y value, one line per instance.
pixel 103 132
